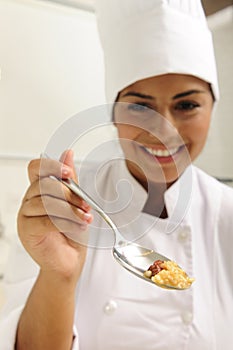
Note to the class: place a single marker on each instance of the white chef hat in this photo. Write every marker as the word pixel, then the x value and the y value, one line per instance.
pixel 145 38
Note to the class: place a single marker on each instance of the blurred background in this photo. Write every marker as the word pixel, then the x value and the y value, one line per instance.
pixel 52 68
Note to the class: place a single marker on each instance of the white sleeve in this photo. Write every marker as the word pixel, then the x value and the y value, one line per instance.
pixel 19 279
pixel 8 329
pixel 75 339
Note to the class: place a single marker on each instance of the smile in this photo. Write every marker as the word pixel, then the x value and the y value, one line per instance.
pixel 161 152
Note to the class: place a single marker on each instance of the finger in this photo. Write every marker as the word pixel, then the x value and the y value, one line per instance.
pixel 46 167
pixel 41 228
pixel 67 158
pixel 53 207
pixel 51 187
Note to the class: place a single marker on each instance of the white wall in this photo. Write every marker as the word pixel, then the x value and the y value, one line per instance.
pixel 217 158
pixel 51 68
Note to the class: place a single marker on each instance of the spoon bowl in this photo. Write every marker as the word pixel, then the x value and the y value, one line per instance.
pixel 129 255
pixel 137 259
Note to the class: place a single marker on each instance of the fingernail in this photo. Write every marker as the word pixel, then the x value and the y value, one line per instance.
pixel 86 216
pixel 65 171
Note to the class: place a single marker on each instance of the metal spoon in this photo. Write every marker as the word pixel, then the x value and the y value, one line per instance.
pixel 131 256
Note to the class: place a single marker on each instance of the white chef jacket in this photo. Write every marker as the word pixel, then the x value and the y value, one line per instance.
pixel 116 310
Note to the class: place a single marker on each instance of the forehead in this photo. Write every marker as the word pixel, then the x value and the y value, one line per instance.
pixel 166 83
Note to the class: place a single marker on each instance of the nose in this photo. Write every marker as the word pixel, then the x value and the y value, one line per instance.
pixel 164 124
pixel 166 115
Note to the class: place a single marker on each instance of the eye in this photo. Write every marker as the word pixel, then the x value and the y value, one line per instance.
pixel 186 106
pixel 138 107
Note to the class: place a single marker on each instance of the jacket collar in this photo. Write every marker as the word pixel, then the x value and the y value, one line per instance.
pixel 177 198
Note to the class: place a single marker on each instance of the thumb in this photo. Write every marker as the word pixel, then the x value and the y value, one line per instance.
pixel 67 158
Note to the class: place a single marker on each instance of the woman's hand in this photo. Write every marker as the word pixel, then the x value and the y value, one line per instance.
pixel 48 212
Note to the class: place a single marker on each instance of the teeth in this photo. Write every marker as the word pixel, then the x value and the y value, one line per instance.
pixel 162 153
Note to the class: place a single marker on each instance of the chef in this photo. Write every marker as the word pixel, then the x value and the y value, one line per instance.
pixel 63 294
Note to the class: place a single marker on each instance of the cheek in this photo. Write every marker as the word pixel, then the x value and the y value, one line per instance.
pixel 127 132
pixel 201 131
pixel 195 136
pixel 195 131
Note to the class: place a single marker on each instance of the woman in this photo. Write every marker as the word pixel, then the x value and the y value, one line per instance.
pixel 81 298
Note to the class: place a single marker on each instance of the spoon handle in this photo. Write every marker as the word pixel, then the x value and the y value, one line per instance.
pixel 75 188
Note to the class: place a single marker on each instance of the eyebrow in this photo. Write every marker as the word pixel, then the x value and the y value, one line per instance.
pixel 187 93
pixel 138 94
pixel 149 97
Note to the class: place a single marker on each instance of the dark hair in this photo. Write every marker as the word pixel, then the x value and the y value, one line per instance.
pixel 212 94
pixel 113 107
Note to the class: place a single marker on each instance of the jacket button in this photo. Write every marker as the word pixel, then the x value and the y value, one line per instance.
pixel 110 307
pixel 183 234
pixel 187 317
